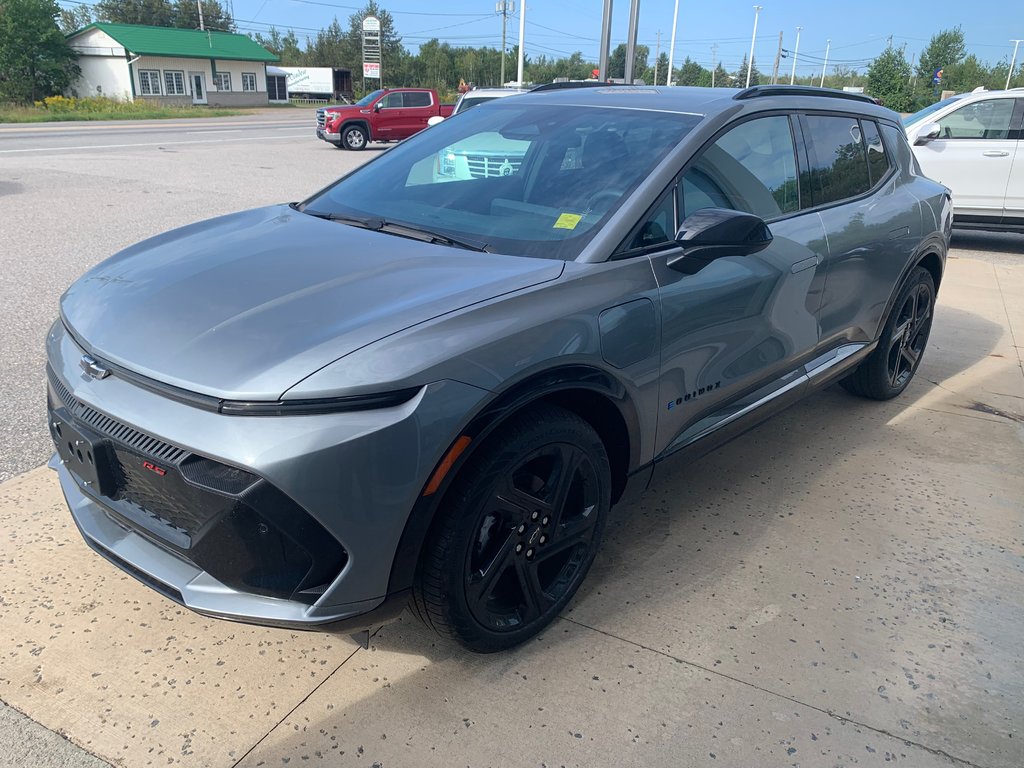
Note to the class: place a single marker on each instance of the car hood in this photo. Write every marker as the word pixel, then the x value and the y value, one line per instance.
pixel 247 305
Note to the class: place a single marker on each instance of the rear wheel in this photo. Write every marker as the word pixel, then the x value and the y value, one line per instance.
pixel 517 532
pixel 887 371
pixel 353 137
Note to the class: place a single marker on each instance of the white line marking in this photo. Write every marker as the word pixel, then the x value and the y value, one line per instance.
pixel 215 130
pixel 306 134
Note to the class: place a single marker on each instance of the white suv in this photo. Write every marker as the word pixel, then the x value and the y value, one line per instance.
pixel 974 144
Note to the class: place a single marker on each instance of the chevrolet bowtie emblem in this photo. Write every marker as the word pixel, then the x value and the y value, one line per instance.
pixel 94 369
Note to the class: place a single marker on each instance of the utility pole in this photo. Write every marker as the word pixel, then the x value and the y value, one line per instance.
pixel 828 47
pixel 634 25
pixel 778 58
pixel 672 45
pixel 657 55
pixel 714 63
pixel 796 52
pixel 522 40
pixel 1013 62
pixel 606 40
pixel 504 7
pixel 910 80
pixel 753 38
pixel 199 5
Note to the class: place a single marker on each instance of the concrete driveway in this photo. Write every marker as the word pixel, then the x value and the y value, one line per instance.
pixel 840 587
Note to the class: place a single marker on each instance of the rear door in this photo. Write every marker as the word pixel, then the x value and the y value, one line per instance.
pixel 417 108
pixel 973 156
pixel 872 220
pixel 1013 207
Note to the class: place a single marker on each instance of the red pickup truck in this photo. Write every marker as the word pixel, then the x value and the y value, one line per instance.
pixel 389 114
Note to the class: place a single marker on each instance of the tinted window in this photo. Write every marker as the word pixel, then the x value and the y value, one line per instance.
pixel 417 99
pixel 989 119
pixel 839 167
pixel 878 161
pixel 391 101
pixel 751 168
pixel 902 154
pixel 657 228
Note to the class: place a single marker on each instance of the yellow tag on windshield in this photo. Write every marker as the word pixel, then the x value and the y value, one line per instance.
pixel 567 221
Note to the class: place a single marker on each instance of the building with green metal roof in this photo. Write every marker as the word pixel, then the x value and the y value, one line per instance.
pixel 174 66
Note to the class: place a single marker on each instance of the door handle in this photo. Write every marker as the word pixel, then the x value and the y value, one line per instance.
pixel 995 153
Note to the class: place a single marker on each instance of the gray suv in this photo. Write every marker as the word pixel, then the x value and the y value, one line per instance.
pixel 413 386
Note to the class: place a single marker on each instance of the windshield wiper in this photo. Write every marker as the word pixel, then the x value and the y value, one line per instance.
pixel 429 236
pixel 353 221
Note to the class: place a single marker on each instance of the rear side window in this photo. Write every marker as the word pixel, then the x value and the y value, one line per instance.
pixel 878 161
pixel 839 166
pixel 751 168
pixel 417 99
pixel 902 154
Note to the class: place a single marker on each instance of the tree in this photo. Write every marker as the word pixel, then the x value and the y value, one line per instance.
pixel 946 49
pixel 215 15
pixel 692 73
pixel 35 60
pixel 661 69
pixel 74 19
pixel 617 61
pixel 756 78
pixel 159 13
pixel 967 75
pixel 721 77
pixel 889 80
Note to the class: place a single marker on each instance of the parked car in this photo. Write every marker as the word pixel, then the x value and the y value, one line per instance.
pixel 389 114
pixel 476 97
pixel 306 414
pixel 972 143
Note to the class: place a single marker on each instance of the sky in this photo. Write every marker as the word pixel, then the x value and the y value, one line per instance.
pixel 859 30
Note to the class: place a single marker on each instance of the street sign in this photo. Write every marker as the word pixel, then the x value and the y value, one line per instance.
pixel 371 69
pixel 372 49
pixel 371 24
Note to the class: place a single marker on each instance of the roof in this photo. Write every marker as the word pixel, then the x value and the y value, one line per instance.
pixel 185 43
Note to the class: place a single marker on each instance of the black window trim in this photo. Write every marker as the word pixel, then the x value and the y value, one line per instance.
pixel 874 187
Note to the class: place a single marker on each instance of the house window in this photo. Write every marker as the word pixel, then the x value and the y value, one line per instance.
pixel 223 81
pixel 248 81
pixel 149 82
pixel 174 83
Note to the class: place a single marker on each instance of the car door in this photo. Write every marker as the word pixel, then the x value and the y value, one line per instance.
pixel 1013 206
pixel 388 120
pixel 973 155
pixel 735 331
pixel 872 220
pixel 417 108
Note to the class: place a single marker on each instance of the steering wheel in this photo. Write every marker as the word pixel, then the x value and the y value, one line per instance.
pixel 611 195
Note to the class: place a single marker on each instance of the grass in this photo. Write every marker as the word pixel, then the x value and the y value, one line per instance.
pixel 57 109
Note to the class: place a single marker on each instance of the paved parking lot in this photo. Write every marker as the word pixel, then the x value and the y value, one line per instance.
pixel 839 587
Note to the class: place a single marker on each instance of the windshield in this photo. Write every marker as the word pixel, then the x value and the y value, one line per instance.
pixel 369 98
pixel 923 113
pixel 533 180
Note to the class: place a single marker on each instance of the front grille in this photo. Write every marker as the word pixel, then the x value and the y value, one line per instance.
pixel 321 118
pixel 487 166
pixel 230 522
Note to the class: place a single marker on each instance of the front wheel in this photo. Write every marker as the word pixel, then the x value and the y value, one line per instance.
pixel 887 371
pixel 517 532
pixel 354 137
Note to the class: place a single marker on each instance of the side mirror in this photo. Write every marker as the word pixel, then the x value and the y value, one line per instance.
pixel 712 233
pixel 928 132
pixel 376 107
pixel 435 120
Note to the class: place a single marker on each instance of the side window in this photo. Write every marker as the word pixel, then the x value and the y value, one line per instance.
pixel 839 167
pixel 657 228
pixel 751 168
pixel 903 155
pixel 417 99
pixel 878 161
pixel 391 101
pixel 989 119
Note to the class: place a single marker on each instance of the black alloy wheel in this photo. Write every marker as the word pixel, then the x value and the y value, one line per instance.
pixel 523 527
pixel 888 370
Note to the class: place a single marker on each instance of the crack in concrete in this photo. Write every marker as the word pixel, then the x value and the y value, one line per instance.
pixel 302 701
pixel 933 750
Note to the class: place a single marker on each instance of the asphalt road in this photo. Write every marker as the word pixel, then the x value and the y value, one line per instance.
pixel 71 195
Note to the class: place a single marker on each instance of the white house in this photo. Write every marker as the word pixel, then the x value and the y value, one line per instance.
pixel 170 66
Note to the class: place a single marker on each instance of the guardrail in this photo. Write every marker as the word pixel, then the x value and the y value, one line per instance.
pixel 299 100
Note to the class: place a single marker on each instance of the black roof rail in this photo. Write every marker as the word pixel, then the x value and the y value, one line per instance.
pixel 575 84
pixel 756 91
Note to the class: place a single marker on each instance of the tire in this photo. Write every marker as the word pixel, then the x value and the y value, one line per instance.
pixel 887 371
pixel 516 534
pixel 354 137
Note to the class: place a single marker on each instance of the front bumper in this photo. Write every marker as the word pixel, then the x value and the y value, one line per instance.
pixel 328 136
pixel 351 478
